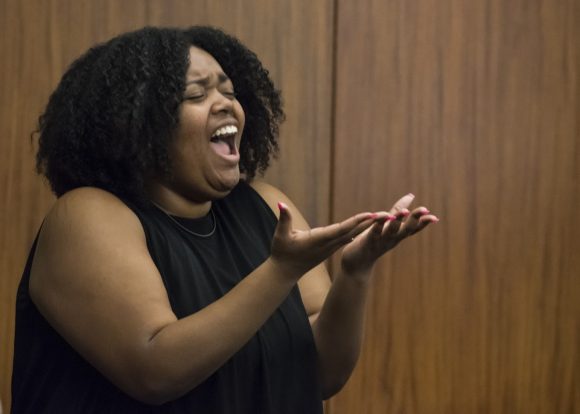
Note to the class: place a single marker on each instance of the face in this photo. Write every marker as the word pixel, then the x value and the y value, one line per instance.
pixel 205 150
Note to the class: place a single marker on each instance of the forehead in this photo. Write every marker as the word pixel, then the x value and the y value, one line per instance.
pixel 202 64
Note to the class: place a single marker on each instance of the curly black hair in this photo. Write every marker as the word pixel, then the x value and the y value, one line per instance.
pixel 111 119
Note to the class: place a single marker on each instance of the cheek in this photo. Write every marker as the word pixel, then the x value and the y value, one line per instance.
pixel 190 137
pixel 192 120
pixel 188 151
pixel 240 114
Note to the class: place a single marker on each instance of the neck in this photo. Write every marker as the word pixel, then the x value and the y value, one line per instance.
pixel 177 204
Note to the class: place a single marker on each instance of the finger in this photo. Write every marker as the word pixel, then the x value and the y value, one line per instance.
pixel 382 216
pixel 377 228
pixel 428 219
pixel 354 232
pixel 374 227
pixel 392 229
pixel 284 221
pixel 411 225
pixel 346 227
pixel 424 221
pixel 403 203
pixel 401 215
pixel 341 231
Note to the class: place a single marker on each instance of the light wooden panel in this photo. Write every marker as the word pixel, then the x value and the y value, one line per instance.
pixel 39 40
pixel 474 106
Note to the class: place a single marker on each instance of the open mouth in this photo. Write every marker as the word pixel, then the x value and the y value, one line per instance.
pixel 224 140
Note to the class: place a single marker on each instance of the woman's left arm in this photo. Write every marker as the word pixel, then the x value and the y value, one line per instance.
pixel 337 310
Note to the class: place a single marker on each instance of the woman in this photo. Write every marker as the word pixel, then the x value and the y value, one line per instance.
pixel 162 281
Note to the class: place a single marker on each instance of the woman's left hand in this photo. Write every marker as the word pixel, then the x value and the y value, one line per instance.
pixel 397 224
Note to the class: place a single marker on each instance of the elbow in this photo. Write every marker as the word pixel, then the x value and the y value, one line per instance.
pixel 150 391
pixel 156 378
pixel 331 387
pixel 334 375
pixel 154 390
pixel 153 396
pixel 152 385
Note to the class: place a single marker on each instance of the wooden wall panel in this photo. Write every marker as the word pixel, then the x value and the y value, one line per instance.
pixel 474 106
pixel 39 40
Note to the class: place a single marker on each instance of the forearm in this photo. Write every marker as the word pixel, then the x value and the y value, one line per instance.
pixel 184 353
pixel 339 329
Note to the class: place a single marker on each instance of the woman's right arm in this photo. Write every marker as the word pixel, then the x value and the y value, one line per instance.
pixel 94 281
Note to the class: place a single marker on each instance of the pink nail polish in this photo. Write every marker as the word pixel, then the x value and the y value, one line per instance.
pixel 391 218
pixel 281 206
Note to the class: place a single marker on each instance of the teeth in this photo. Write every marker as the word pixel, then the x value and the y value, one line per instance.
pixel 226 130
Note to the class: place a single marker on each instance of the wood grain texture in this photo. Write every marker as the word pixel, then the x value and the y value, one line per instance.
pixel 474 107
pixel 40 39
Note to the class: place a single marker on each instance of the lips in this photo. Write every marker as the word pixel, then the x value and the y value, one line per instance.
pixel 225 131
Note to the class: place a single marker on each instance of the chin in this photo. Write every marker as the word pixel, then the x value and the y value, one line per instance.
pixel 227 184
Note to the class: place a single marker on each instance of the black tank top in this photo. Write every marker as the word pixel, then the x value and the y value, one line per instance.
pixel 275 372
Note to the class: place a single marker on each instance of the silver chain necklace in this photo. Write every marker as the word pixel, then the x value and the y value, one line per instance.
pixel 182 227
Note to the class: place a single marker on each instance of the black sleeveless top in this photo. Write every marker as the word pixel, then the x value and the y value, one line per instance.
pixel 275 372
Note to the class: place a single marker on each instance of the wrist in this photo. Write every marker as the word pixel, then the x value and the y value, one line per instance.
pixel 284 270
pixel 362 274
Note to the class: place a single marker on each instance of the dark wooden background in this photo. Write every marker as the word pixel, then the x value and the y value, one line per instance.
pixel 474 106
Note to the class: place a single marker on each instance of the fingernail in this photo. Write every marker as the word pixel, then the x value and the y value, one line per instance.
pixel 282 206
pixel 374 215
pixel 391 218
pixel 411 195
pixel 424 211
pixel 435 220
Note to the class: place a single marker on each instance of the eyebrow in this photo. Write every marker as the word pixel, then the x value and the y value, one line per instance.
pixel 222 78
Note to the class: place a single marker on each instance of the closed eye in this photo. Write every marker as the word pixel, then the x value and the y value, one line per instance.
pixel 198 96
pixel 195 97
pixel 231 95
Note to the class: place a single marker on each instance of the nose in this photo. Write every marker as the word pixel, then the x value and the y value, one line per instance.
pixel 222 104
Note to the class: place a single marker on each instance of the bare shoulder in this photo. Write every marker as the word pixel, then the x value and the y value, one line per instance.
pixel 88 216
pixel 83 227
pixel 88 204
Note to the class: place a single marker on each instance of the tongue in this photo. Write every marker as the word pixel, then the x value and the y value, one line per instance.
pixel 221 147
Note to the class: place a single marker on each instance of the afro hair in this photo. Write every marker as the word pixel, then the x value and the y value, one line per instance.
pixel 112 117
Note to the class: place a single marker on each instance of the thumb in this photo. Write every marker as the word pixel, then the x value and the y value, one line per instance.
pixel 284 221
pixel 402 204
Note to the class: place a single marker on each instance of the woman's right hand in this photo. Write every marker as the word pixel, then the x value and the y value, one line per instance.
pixel 298 251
